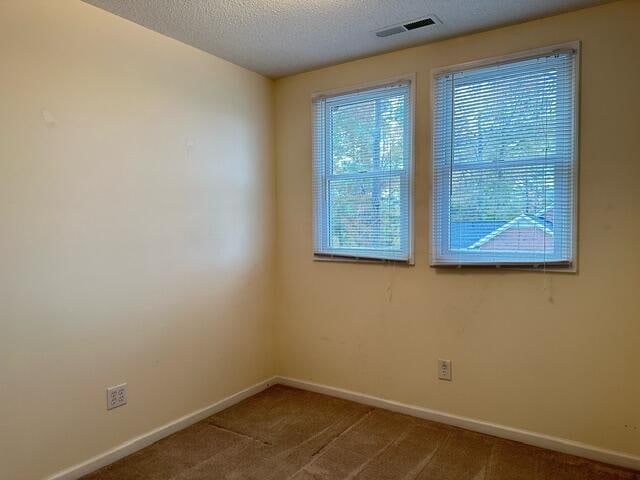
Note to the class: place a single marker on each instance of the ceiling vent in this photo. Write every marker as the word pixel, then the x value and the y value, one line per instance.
pixel 408 26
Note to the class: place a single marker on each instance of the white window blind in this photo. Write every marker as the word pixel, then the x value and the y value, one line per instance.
pixel 504 163
pixel 362 162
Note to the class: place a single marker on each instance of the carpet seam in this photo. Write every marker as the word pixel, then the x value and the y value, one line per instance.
pixel 393 442
pixel 446 439
pixel 307 440
pixel 319 451
pixel 491 453
pixel 413 474
pixel 240 434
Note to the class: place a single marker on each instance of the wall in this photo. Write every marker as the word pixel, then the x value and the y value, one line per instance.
pixel 551 353
pixel 136 235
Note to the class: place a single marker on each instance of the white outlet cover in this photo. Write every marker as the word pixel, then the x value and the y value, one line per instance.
pixel 116 396
pixel 444 369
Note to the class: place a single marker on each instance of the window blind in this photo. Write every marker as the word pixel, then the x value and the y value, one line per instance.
pixel 362 156
pixel 504 163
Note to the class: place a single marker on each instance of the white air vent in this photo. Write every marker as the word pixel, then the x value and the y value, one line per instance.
pixel 415 24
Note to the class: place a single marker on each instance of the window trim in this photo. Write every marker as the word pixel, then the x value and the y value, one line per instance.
pixel 571 267
pixel 363 87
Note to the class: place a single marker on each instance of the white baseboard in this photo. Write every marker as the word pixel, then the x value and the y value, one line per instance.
pixel 146 439
pixel 524 436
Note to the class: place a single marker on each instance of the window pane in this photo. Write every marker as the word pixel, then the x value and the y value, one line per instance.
pixel 368 135
pixel 504 210
pixel 505 119
pixel 365 214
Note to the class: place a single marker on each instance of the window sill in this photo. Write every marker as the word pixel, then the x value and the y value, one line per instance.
pixel 537 267
pixel 348 259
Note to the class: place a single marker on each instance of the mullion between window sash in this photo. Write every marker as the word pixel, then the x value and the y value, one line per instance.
pixel 366 175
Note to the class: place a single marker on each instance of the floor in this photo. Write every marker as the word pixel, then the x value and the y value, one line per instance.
pixel 285 433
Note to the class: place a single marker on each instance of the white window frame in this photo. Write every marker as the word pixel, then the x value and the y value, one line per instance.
pixel 571 267
pixel 335 255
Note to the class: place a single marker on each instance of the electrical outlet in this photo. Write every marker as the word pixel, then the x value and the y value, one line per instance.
pixel 444 369
pixel 116 396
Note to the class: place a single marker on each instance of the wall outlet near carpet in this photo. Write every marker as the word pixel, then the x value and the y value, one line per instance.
pixel 116 396
pixel 444 369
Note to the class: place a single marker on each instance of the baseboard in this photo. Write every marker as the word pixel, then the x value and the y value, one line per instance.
pixel 153 436
pixel 524 436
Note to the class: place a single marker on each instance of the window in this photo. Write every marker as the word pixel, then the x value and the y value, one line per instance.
pixel 362 162
pixel 504 163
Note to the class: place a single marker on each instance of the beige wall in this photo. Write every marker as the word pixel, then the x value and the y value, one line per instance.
pixel 136 233
pixel 556 353
pixel 137 245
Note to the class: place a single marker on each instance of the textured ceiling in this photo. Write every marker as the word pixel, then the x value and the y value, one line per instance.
pixel 281 37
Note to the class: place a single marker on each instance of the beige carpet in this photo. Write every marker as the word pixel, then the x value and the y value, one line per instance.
pixel 285 433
